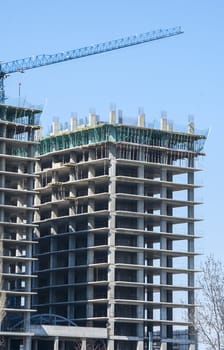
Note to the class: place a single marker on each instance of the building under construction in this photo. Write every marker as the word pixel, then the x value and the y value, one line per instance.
pixel 18 132
pixel 110 234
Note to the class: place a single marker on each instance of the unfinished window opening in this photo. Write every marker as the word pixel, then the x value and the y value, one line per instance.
pixel 129 329
pixel 100 274
pixel 126 240
pixel 101 205
pixel 80 293
pixel 100 310
pixel 122 222
pixel 126 205
pixel 100 239
pixel 81 241
pixel 126 188
pixel 100 292
pixel 80 311
pixel 122 275
pixel 126 171
pixel 60 260
pixel 46 214
pixel 81 258
pixel 129 311
pixel 101 222
pixel 100 257
pixel 101 188
pixel 44 262
pixel 80 276
pixel 125 257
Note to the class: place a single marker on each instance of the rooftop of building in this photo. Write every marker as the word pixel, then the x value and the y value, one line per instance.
pixel 23 113
pixel 117 129
pixel 91 130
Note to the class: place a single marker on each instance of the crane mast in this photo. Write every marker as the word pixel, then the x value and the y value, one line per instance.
pixel 23 64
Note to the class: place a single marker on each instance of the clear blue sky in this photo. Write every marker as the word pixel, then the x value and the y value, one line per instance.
pixel 182 75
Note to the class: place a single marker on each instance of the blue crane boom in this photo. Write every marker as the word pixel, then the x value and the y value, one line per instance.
pixel 23 64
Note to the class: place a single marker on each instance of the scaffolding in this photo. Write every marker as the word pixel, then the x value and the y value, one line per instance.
pixel 20 115
pixel 122 133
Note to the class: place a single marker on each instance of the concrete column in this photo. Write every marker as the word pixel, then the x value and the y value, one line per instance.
pixel 90 238
pixel 91 201
pixel 140 256
pixel 73 157
pixel 91 187
pixel 73 204
pixel 140 345
pixel 20 186
pixel 90 274
pixel 71 275
pixel 110 344
pixel 72 238
pixel 56 343
pixel 83 344
pixel 191 277
pixel 111 245
pixel 163 346
pixel 27 343
pixel 27 315
pixel 37 184
pixel 165 261
pixel 192 347
pixel 37 166
pixel 52 266
pixel 72 175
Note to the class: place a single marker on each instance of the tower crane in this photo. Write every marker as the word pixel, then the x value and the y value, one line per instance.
pixel 24 64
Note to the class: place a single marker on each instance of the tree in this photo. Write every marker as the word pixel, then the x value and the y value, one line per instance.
pixel 210 313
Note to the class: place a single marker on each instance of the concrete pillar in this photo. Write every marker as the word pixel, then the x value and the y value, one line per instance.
pixel 91 186
pixel 27 343
pixel 90 274
pixel 192 347
pixel 140 345
pixel 27 305
pixel 191 228
pixel 83 344
pixel 56 343
pixel 112 117
pixel 110 344
pixel 163 259
pixel 73 157
pixel 71 275
pixel 141 120
pixel 91 191
pixel 111 245
pixel 92 119
pixel 37 200
pixel 140 255
pixel 163 346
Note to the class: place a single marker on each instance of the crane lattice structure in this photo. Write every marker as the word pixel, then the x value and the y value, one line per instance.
pixel 23 64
